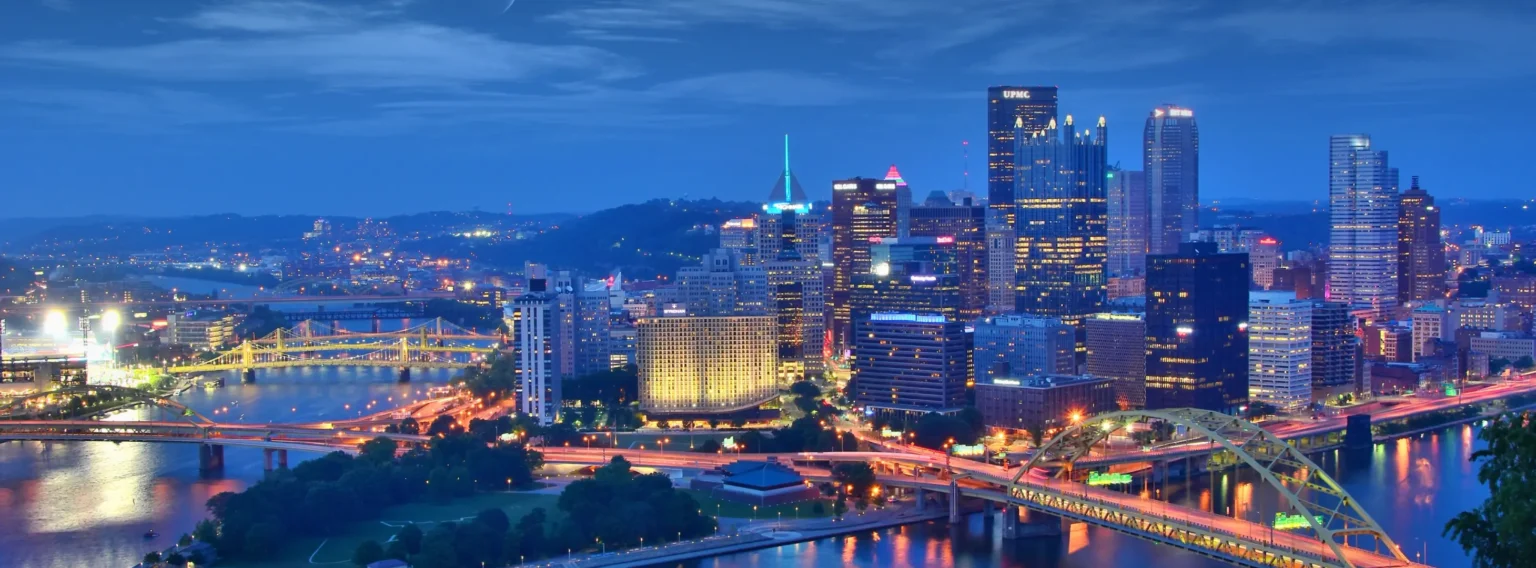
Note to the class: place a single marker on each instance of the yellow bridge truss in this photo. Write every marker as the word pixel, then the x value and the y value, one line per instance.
pixel 435 344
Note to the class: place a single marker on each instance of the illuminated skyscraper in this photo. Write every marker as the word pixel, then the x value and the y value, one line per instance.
pixel 906 365
pixel 534 319
pixel 691 365
pixel 1023 346
pixel 1002 271
pixel 739 236
pixel 863 211
pixel 1420 252
pixel 1362 207
pixel 796 288
pixel 1010 109
pixel 965 224
pixel 1171 159
pixel 1127 222
pixel 1062 221
pixel 1280 350
pixel 594 323
pixel 1117 348
pixel 723 286
pixel 1197 341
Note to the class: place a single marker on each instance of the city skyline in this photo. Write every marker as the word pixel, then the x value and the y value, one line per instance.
pixel 170 99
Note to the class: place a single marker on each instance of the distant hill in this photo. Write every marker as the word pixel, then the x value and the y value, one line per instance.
pixel 644 240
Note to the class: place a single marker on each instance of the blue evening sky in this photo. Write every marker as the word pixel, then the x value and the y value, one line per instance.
pixel 386 106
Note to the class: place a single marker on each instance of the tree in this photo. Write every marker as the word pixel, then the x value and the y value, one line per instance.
pixel 410 535
pixel 1525 363
pixel 443 426
pixel 396 550
pixel 263 539
pixel 839 507
pixel 494 519
pixel 410 426
pixel 176 559
pixel 206 531
pixel 859 476
pixel 185 540
pixel 378 450
pixel 1260 409
pixel 368 552
pixel 1498 532
pixel 152 558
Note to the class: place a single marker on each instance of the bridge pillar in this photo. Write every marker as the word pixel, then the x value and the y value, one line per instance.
pixel 282 459
pixel 377 326
pixel 922 499
pixel 954 502
pixel 1357 432
pixel 210 458
pixel 987 510
pixel 266 458
pixel 1010 521
pixel 1037 524
pixel 248 375
pixel 405 374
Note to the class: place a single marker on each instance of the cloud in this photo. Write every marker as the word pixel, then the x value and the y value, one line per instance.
pixel 151 109
pixel 768 88
pixel 60 5
pixel 333 46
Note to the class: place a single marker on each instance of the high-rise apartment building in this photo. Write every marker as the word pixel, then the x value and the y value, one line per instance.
pixel 593 323
pixel 709 364
pixel 1010 110
pixel 534 319
pixel 965 225
pixel 863 211
pixel 739 237
pixel 1280 350
pixel 1002 274
pixel 1265 258
pixel 1335 348
pixel 1420 252
pixel 1117 349
pixel 1022 346
pixel 1197 340
pixel 906 365
pixel 1362 208
pixel 1127 192
pixel 1171 160
pixel 1061 221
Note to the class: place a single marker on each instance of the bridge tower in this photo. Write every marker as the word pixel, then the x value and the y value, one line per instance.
pixel 210 458
pixel 405 360
pixel 247 365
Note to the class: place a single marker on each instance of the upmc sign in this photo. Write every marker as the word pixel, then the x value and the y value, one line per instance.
pixel 1015 94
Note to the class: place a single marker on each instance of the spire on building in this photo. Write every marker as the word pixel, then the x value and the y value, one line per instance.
pixel 893 175
pixel 787 193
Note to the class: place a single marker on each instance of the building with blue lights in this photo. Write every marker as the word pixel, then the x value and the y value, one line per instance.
pixel 909 364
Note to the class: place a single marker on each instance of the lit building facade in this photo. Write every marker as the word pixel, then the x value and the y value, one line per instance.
pixel 796 284
pixel 1362 209
pixel 1127 196
pixel 907 364
pixel 534 319
pixel 1420 251
pixel 1061 221
pixel 739 237
pixel 1280 350
pixel 863 211
pixel 593 322
pixel 1117 349
pixel 723 285
pixel 1042 402
pixel 1023 345
pixel 1335 347
pixel 1197 341
pixel 1171 160
pixel 1010 110
pixel 965 225
pixel 708 364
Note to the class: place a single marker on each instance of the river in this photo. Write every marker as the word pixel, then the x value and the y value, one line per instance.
pixel 88 504
pixel 75 504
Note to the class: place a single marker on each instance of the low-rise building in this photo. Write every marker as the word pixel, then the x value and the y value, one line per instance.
pixel 203 330
pixel 1043 402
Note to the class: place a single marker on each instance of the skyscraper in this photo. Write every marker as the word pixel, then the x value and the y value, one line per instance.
pixel 1002 274
pixel 1009 110
pixel 1127 222
pixel 1420 253
pixel 904 287
pixel 1362 208
pixel 1197 341
pixel 1023 346
pixel 965 223
pixel 723 286
pixel 1171 159
pixel 1280 350
pixel 907 365
pixel 1334 344
pixel 796 288
pixel 534 319
pixel 1061 221
pixel 691 365
pixel 1265 257
pixel 863 210
pixel 903 200
pixel 593 324
pixel 739 236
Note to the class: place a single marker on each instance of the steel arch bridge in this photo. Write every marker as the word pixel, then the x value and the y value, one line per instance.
pixel 1329 511
pixel 18 407
pixel 434 344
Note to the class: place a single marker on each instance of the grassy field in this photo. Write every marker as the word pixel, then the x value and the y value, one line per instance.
pixel 338 549
pixel 806 509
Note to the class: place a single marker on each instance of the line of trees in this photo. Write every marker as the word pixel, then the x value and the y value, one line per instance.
pixel 320 496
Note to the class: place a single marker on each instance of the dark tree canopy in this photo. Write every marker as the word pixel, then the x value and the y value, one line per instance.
pixel 1499 533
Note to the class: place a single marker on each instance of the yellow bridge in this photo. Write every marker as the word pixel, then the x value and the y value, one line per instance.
pixel 434 344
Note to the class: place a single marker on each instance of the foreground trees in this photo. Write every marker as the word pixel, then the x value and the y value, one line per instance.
pixel 1498 534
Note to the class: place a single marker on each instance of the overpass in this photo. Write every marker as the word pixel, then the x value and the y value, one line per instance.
pixel 433 344
pixel 1333 532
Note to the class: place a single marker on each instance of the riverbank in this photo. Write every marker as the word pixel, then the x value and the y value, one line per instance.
pixel 756 535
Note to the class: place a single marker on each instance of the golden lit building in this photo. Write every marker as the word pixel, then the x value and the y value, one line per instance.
pixel 709 364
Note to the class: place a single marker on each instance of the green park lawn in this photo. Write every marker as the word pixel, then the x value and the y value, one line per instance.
pixel 338 549
pixel 806 509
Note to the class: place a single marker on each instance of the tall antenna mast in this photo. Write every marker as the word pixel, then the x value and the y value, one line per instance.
pixel 965 155
pixel 788 192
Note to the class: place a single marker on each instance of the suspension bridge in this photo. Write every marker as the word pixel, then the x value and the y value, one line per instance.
pixel 435 344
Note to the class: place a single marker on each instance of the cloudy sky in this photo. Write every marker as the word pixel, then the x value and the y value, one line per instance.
pixel 387 106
